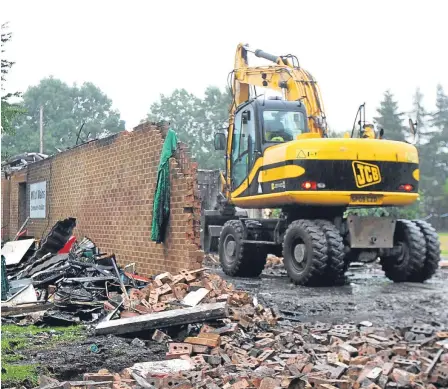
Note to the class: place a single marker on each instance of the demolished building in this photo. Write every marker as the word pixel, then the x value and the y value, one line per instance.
pixel 108 186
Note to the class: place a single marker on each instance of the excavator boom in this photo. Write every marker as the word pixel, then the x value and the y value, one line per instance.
pixel 294 82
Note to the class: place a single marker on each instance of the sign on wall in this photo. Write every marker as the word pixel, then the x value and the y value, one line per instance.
pixel 38 200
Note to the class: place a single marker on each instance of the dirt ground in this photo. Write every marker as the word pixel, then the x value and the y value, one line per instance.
pixel 368 295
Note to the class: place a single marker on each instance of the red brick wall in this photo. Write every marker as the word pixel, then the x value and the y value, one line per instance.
pixel 108 186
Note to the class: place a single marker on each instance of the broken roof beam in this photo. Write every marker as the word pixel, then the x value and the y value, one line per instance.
pixel 164 319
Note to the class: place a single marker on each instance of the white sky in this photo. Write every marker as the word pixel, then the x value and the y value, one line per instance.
pixel 135 50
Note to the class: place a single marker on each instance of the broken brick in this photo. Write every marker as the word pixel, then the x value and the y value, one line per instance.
pixel 268 383
pixel 184 348
pixel 159 336
pixel 98 377
pixel 209 342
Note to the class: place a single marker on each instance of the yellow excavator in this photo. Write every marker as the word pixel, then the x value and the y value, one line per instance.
pixel 278 155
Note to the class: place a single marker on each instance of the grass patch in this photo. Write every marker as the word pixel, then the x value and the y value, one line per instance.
pixel 16 338
pixel 443 236
pixel 17 374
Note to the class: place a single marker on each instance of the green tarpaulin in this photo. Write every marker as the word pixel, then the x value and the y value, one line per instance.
pixel 161 207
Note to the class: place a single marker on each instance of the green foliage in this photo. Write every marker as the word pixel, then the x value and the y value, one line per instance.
pixel 17 374
pixel 390 119
pixel 9 110
pixel 195 121
pixel 65 109
pixel 276 213
pixel 434 157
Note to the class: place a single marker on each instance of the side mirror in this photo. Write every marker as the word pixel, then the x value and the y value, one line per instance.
pixel 220 141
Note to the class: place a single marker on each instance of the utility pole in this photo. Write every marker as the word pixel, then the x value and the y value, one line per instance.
pixel 41 122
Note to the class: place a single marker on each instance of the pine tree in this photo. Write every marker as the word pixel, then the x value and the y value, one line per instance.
pixel 440 116
pixel 420 115
pixel 390 119
pixel 425 147
pixel 434 158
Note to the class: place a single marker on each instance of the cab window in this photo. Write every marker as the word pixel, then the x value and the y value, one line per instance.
pixel 283 126
pixel 243 146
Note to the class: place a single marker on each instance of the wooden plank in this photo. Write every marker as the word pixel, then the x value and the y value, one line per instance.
pixel 163 319
pixel 24 308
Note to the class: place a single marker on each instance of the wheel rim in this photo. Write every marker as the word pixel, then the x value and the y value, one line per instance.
pixel 403 251
pixel 299 255
pixel 230 248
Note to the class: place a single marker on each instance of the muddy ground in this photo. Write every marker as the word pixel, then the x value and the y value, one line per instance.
pixel 368 295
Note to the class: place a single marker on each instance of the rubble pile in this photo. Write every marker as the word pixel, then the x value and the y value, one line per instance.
pixel 251 350
pixel 69 280
pixel 274 265
pixel 37 258
pixel 251 347
pixel 166 291
pixel 167 300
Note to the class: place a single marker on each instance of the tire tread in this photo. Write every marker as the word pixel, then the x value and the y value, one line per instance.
pixel 319 258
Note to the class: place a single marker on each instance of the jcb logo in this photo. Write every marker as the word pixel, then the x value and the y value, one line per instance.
pixel 366 174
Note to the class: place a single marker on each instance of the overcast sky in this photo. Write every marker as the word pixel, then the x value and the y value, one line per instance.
pixel 135 50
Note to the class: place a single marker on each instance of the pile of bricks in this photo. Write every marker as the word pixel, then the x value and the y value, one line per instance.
pixel 320 356
pixel 252 349
pixel 248 353
pixel 167 291
pixel 274 265
pixel 274 261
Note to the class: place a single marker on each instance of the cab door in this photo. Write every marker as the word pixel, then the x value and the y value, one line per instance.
pixel 243 146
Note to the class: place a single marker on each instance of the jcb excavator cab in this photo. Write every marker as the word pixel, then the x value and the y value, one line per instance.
pixel 261 123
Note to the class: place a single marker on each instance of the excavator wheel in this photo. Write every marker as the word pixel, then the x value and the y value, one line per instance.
pixel 236 258
pixel 334 272
pixel 432 258
pixel 406 257
pixel 305 252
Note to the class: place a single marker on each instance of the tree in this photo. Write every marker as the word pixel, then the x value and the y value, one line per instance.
pixel 420 115
pixel 195 120
pixel 440 117
pixel 390 119
pixel 65 109
pixel 8 109
pixel 438 152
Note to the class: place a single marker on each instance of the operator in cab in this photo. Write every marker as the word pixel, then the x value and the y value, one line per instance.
pixel 283 126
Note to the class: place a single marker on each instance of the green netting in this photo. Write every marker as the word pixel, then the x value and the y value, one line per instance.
pixel 161 207
pixel 4 280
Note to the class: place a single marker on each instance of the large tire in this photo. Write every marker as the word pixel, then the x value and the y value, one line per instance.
pixel 238 259
pixel 335 268
pixel 432 258
pixel 308 267
pixel 231 247
pixel 401 266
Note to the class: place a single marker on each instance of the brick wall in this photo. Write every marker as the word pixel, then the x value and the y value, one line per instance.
pixel 108 186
